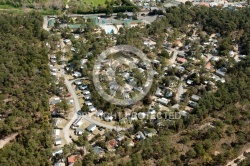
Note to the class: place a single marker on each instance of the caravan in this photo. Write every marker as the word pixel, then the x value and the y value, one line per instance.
pixel 77 123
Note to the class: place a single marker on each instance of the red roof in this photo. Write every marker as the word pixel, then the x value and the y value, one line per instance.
pixel 204 4
pixel 178 42
pixel 112 143
pixel 182 60
pixel 208 66
pixel 72 159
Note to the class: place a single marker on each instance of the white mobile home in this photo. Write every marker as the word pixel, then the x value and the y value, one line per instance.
pixel 77 123
pixel 91 128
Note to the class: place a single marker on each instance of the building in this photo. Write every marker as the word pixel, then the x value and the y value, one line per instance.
pixel 178 43
pixel 70 101
pixel 208 66
pixel 72 159
pixel 86 92
pixel 87 97
pixel 108 118
pixel 58 141
pixel 195 97
pixel 78 82
pixel 151 112
pixel 140 136
pixel 111 145
pixel 98 150
pixel 92 108
pixel 149 132
pixel 88 103
pixel 181 60
pixel 158 93
pixel 192 104
pixel 163 101
pixel 99 113
pixel 56 122
pixel 220 73
pixel 181 54
pixel 56 132
pixel 77 74
pixel 59 151
pixel 79 131
pixel 189 82
pixel 91 127
pixel 55 101
pixel 77 123
pixel 59 164
pixel 168 93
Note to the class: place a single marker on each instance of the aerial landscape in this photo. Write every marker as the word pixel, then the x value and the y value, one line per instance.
pixel 124 83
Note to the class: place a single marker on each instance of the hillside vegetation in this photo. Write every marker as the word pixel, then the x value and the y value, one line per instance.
pixel 24 81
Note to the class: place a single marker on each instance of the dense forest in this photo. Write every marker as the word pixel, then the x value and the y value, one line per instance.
pixel 37 4
pixel 24 83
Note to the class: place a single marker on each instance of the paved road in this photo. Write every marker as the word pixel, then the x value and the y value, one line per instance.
pixel 77 107
pixel 85 117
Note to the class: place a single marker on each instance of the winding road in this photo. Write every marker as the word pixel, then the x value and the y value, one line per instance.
pixel 85 117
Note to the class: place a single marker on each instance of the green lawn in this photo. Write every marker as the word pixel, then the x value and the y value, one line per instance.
pixel 94 2
pixel 7 7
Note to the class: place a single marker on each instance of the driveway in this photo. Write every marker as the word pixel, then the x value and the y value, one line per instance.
pixel 173 58
pixel 180 92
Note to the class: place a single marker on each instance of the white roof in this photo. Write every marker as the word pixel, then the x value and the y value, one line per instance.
pixel 57 132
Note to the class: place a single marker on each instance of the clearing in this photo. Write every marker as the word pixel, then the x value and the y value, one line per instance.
pixel 6 140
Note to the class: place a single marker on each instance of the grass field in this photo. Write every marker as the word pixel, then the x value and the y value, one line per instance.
pixel 7 7
pixel 94 2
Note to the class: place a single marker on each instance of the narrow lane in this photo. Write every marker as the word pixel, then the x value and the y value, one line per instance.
pixel 73 116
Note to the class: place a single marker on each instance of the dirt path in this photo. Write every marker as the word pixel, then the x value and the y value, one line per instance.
pixel 6 140
pixel 240 158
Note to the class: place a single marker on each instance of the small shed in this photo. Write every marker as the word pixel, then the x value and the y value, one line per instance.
pixel 140 136
pixel 79 131
pixel 91 128
pixel 195 97
pixel 58 141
